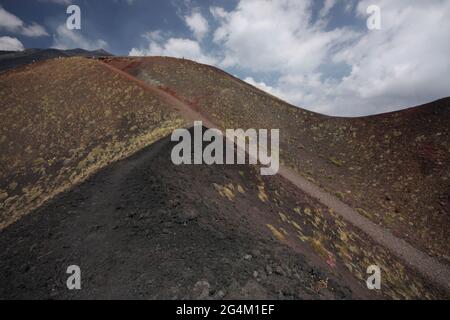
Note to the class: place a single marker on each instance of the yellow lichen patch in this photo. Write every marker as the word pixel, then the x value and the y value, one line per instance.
pixel 340 195
pixel 296 225
pixel 307 211
pixel 353 249
pixel 240 189
pixel 363 212
pixel 349 266
pixel 297 210
pixel 262 195
pixel 336 162
pixel 32 193
pixel 3 195
pixel 343 236
pixel 277 234
pixel 343 252
pixel 302 237
pixel 283 217
pixel 12 185
pixel 317 221
pixel 319 248
pixel 225 191
pixel 284 231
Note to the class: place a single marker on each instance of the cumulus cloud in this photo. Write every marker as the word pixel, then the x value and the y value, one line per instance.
pixel 71 39
pixel 34 30
pixel 275 36
pixel 327 6
pixel 218 12
pixel 346 70
pixel 156 35
pixel 198 24
pixel 403 64
pixel 175 47
pixel 10 44
pixel 9 21
pixel 162 44
pixel 14 24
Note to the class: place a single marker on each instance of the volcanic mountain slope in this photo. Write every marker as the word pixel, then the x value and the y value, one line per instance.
pixel 144 228
pixel 64 119
pixel 140 230
pixel 393 168
pixel 14 59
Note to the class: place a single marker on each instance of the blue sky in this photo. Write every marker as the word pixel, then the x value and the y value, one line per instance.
pixel 319 55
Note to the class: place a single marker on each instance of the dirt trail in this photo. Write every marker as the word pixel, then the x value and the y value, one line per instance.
pixel 139 230
pixel 426 265
pixel 417 259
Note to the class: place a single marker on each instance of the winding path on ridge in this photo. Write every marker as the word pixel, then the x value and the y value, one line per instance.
pixel 417 259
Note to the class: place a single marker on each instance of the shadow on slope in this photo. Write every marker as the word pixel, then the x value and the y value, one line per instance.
pixel 145 228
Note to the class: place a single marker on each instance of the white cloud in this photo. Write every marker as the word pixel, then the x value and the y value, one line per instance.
pixel 275 36
pixel 10 44
pixel 156 35
pixel 327 6
pixel 339 71
pixel 198 24
pixel 14 24
pixel 71 39
pixel 34 30
pixel 175 47
pixel 218 12
pixel 9 21
pixel 404 64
